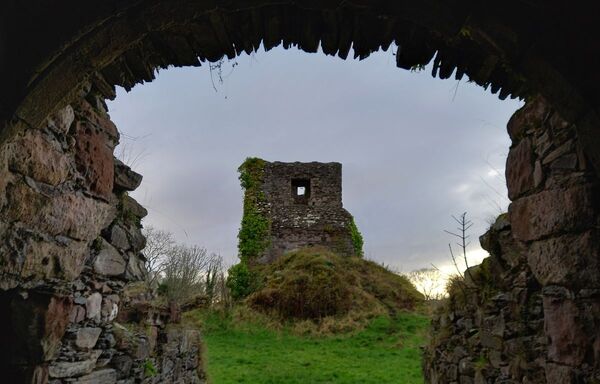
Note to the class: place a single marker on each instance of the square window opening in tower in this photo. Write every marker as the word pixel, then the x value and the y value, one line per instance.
pixel 301 190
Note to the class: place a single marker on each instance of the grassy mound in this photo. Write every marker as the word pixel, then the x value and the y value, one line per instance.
pixel 314 283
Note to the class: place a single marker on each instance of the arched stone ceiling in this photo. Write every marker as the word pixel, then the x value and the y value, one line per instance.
pixel 516 48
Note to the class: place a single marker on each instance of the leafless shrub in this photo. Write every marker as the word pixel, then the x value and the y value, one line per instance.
pixel 181 272
pixel 184 272
pixel 428 281
pixel 215 285
pixel 462 233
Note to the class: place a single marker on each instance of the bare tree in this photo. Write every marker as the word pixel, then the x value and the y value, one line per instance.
pixel 461 233
pixel 215 281
pixel 222 293
pixel 159 246
pixel 214 268
pixel 428 281
pixel 185 272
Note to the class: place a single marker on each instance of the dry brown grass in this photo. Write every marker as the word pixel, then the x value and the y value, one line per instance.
pixel 331 293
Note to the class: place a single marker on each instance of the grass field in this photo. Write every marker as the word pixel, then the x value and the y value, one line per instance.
pixel 386 351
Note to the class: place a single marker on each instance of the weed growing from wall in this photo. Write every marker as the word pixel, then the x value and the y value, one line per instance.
pixel 149 368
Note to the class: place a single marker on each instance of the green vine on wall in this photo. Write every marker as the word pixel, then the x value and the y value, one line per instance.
pixel 357 239
pixel 255 228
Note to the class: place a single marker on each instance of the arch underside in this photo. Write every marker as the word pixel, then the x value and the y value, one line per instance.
pixel 515 48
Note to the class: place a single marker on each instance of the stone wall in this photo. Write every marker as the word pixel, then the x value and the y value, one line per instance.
pixel 491 329
pixel 543 323
pixel 70 242
pixel 316 218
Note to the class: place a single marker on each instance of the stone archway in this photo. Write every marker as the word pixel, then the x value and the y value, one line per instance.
pixel 69 233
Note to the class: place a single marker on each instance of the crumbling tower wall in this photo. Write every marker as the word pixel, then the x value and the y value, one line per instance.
pixel 301 204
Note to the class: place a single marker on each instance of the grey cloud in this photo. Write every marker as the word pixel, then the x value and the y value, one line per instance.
pixel 412 152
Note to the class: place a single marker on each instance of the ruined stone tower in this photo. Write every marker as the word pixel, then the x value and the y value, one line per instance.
pixel 288 206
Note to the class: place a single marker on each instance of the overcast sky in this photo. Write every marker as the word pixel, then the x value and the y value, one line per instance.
pixel 414 149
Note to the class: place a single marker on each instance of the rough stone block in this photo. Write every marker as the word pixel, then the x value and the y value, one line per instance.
pixel 136 269
pixel 93 305
pixel 103 376
pixel 125 178
pixel 531 115
pixel 556 373
pixel 87 337
pixel 143 348
pixel 567 162
pixel 109 261
pixel 110 308
pixel 490 341
pixel 61 120
pixel 520 169
pixel 466 367
pixel 45 259
pixel 85 111
pixel 67 213
pixel 77 314
pixel 136 238
pixel 117 236
pixel 564 329
pixel 123 365
pixel 64 369
pixel 94 157
pixel 568 260
pixel 554 212
pixel 133 207
pixel 36 156
pixel 563 149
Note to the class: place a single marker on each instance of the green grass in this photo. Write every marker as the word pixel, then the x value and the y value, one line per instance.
pixel 386 351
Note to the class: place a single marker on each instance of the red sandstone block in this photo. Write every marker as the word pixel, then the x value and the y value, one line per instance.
pixel 519 169
pixel 565 331
pixel 531 115
pixel 94 156
pixel 554 212
pixel 85 111
pixel 569 260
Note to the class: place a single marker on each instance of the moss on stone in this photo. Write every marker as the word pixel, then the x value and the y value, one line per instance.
pixel 255 227
pixel 97 244
pixel 357 239
pixel 125 215
pixel 251 172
